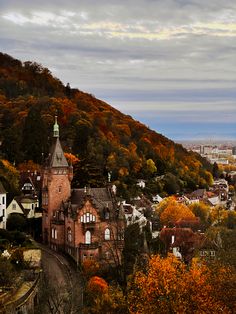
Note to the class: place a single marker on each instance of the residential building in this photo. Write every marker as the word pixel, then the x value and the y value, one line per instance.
pixel 27 206
pixel 3 201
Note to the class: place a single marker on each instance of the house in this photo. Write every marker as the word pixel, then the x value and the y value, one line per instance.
pixel 208 248
pixel 182 242
pixel 28 206
pixel 221 187
pixel 86 223
pixel 197 196
pixel 133 215
pixel 28 187
pixel 3 201
pixel 157 199
pixel 213 199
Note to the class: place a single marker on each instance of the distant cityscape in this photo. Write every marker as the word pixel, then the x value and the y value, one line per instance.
pixel 220 152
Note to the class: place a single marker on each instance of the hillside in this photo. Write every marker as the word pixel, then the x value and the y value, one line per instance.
pixel 103 138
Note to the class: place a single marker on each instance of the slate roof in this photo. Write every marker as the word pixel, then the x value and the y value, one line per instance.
pixel 2 190
pixel 32 177
pixel 100 197
pixel 198 194
pixel 57 158
pixel 142 202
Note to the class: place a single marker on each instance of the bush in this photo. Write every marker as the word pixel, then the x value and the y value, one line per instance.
pixel 16 222
pixel 7 273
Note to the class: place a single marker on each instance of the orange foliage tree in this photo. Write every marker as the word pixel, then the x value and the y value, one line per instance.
pixel 90 268
pixel 71 158
pixel 171 287
pixel 102 298
pixel 97 285
pixel 171 211
pixel 28 166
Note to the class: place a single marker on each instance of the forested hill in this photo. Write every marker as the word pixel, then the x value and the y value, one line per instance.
pixel 103 138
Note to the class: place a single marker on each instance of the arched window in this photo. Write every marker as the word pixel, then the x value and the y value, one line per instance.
pixel 107 214
pixel 52 233
pixel 87 237
pixel 107 234
pixel 87 217
pixel 55 233
pixel 69 234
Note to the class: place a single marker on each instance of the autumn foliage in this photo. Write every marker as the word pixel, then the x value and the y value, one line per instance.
pixel 72 159
pixel 90 268
pixel 97 285
pixel 171 211
pixel 104 139
pixel 172 287
pixel 104 298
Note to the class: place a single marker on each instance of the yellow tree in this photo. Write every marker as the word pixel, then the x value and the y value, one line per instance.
pixel 171 287
pixel 173 211
pixel 71 158
pixel 202 211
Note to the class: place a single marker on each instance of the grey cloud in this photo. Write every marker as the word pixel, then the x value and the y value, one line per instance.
pixel 98 48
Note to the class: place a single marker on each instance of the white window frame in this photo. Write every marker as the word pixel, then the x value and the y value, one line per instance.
pixel 88 237
pixel 107 234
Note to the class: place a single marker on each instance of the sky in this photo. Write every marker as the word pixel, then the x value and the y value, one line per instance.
pixel 170 64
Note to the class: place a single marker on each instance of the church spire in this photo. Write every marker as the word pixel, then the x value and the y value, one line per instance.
pixel 56 128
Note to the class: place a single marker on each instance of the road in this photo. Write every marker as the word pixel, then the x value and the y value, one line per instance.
pixel 62 292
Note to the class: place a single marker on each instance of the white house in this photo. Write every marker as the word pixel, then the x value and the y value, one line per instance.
pixel 3 201
pixel 133 215
pixel 157 199
pixel 26 206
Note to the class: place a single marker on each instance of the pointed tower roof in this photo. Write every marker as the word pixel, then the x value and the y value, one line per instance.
pixel 57 158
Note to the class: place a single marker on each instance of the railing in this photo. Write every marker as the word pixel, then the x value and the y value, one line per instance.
pixel 89 225
pixel 91 246
pixel 16 304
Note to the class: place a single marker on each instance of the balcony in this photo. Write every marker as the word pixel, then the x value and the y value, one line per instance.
pixel 88 225
pixel 91 246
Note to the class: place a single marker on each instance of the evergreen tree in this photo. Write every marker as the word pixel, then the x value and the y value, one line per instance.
pixel 34 141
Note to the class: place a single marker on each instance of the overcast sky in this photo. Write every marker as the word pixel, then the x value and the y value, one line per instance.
pixel 170 63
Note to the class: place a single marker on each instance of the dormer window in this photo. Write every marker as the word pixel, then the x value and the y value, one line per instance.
pixel 87 217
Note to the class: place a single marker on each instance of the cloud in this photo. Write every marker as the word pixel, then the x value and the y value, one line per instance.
pixel 134 54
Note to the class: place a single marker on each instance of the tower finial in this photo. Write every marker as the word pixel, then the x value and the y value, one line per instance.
pixel 56 128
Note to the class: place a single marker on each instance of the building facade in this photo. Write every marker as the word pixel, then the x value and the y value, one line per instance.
pixel 3 202
pixel 86 223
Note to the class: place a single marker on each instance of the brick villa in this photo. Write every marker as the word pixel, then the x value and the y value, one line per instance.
pixel 85 223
